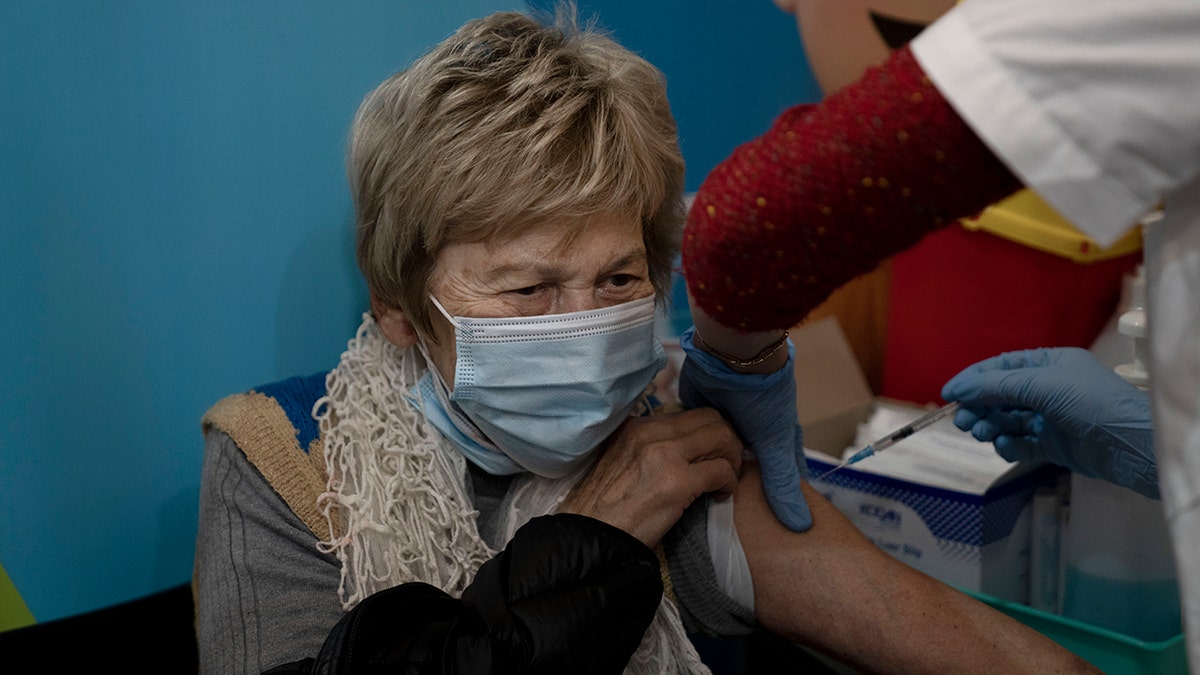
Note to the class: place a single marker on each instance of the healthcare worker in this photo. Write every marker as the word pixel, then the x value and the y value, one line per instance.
pixel 1094 104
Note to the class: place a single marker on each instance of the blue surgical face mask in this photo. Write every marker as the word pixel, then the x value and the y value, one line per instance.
pixel 540 393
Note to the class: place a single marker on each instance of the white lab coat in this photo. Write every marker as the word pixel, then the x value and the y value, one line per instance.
pixel 1095 105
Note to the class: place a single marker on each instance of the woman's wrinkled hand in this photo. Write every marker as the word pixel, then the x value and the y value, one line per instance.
pixel 652 468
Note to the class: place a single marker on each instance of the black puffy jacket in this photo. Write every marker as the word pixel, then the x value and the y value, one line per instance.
pixel 569 594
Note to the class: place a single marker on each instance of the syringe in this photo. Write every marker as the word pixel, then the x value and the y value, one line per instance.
pixel 895 437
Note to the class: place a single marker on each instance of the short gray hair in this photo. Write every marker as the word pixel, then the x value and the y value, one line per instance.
pixel 510 122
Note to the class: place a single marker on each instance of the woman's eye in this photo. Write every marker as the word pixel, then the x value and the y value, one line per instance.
pixel 527 290
pixel 620 280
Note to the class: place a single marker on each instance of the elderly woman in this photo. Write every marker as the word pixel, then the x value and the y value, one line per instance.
pixel 479 485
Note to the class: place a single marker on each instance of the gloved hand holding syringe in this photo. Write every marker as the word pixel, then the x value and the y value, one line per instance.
pixel 895 437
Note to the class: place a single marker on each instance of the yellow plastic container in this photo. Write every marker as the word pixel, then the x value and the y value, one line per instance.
pixel 1027 219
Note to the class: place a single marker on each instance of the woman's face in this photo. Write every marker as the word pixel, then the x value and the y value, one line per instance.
pixel 537 273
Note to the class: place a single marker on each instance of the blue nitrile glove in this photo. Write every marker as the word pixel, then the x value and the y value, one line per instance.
pixel 762 410
pixel 1063 406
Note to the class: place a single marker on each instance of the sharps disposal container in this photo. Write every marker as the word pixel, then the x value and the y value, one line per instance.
pixel 1019 276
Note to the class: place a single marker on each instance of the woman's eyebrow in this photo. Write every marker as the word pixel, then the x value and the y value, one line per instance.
pixel 508 269
pixel 554 270
pixel 633 257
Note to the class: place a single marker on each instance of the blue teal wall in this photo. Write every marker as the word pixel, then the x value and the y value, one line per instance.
pixel 175 226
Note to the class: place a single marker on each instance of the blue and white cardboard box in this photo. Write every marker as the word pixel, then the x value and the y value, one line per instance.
pixel 939 501
pixel 972 540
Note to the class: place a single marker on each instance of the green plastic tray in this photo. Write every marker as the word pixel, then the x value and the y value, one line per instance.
pixel 1112 652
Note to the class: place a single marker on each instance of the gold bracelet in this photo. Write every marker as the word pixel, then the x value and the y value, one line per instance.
pixel 743 363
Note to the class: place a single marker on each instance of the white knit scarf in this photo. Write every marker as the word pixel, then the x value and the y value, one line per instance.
pixel 397 501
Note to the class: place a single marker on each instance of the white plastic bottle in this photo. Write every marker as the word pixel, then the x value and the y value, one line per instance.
pixel 1119 569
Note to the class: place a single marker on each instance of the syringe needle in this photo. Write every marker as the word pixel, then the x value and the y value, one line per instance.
pixel 913 427
pixel 895 437
pixel 853 459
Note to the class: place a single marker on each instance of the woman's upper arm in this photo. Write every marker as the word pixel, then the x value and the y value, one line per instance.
pixel 264 594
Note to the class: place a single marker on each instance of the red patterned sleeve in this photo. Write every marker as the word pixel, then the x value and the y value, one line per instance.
pixel 830 192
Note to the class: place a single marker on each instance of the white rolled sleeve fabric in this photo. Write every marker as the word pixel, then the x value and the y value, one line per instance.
pixel 1094 104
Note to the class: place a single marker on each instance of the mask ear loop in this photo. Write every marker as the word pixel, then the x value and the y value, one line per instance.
pixel 446 314
pixel 440 387
pixel 442 390
pixel 440 384
pixel 425 355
